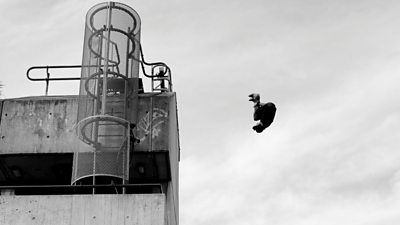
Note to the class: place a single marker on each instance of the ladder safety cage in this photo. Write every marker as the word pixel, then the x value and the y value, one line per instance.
pixel 108 94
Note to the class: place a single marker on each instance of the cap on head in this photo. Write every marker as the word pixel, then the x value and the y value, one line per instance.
pixel 254 97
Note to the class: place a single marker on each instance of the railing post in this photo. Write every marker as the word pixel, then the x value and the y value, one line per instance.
pixel 47 80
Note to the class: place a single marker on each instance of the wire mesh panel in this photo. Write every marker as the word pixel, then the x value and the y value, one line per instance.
pixel 108 90
pixel 102 164
pixel 110 57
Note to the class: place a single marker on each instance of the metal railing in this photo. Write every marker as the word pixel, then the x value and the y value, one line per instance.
pixel 47 79
pixel 164 78
pixel 83 186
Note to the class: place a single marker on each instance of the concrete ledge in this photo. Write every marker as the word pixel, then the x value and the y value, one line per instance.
pixel 146 209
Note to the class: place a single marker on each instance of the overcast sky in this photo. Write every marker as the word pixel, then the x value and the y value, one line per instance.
pixel 332 68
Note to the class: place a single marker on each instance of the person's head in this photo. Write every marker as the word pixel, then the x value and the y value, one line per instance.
pixel 254 97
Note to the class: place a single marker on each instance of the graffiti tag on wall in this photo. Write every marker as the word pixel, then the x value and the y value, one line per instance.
pixel 152 125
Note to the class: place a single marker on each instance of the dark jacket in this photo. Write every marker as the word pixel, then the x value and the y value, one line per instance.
pixel 265 112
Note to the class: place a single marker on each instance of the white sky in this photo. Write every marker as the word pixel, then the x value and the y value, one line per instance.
pixel 332 68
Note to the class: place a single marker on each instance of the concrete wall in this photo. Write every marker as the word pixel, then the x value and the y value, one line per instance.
pixel 153 122
pixel 46 124
pixel 39 125
pixel 146 209
pixel 174 157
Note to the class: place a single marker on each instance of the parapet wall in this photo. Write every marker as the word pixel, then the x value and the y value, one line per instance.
pixel 46 124
pixel 146 209
pixel 38 125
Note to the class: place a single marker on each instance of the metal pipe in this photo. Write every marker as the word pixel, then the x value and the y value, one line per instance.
pixel 77 186
pixel 108 26
pixel 47 80
pixel 55 67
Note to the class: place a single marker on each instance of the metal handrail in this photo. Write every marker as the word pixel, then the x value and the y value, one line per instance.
pixel 81 186
pixel 166 75
pixel 54 67
pixel 77 186
pixel 47 79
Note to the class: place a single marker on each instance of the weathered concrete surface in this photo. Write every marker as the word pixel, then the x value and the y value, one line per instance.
pixel 39 125
pixel 46 124
pixel 174 157
pixel 146 209
pixel 153 121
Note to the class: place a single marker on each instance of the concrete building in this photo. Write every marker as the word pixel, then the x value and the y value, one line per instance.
pixel 109 155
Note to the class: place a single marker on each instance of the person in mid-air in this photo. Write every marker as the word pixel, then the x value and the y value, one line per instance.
pixel 263 112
